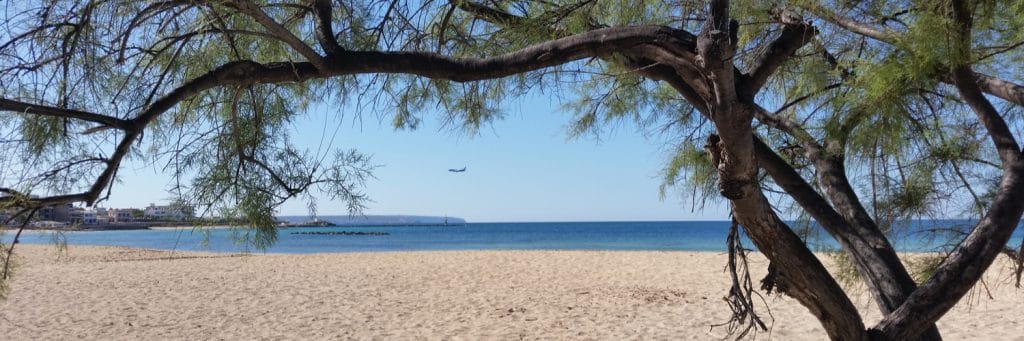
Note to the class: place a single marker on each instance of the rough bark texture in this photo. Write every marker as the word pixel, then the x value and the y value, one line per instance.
pixel 798 273
pixel 876 260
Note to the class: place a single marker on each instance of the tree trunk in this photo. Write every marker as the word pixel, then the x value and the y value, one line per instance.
pixel 799 274
pixel 876 262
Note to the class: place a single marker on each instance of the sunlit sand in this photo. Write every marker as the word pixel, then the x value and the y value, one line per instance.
pixel 121 293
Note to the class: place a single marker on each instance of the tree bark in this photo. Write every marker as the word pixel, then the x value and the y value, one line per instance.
pixel 799 273
pixel 887 279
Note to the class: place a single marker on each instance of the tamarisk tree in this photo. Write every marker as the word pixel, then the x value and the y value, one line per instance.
pixel 859 114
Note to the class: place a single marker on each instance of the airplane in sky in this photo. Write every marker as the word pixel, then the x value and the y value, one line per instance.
pixel 453 170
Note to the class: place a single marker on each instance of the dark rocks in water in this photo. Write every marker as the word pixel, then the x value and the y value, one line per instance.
pixel 343 233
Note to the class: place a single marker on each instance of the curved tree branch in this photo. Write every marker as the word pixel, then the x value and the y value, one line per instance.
pixel 322 11
pixel 968 261
pixel 240 73
pixel 1009 91
pixel 795 34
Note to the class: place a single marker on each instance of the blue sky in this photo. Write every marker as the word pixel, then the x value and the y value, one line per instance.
pixel 521 168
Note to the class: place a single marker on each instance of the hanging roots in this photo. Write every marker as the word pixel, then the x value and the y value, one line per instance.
pixel 744 319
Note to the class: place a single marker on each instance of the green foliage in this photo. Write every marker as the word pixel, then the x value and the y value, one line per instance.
pixel 845 271
pixel 922 267
pixel 44 133
pixel 253 209
pixel 690 166
pixel 607 100
pixel 914 196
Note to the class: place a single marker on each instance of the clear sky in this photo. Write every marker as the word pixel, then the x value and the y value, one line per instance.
pixel 521 168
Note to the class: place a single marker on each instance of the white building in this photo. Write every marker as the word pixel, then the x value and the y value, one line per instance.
pixel 119 215
pixel 164 212
pixel 88 216
pixel 76 215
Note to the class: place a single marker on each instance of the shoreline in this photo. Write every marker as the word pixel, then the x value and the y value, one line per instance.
pixel 176 226
pixel 119 292
pixel 5 236
pixel 750 253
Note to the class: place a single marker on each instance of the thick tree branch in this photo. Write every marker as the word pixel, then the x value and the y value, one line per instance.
pixel 798 273
pixel 848 222
pixel 716 46
pixel 44 110
pixel 957 274
pixel 1006 90
pixel 596 43
pixel 322 12
pixel 795 34
pixel 1003 139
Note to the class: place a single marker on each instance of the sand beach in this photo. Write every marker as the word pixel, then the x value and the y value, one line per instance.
pixel 113 293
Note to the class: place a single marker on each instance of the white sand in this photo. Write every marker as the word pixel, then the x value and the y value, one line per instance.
pixel 120 293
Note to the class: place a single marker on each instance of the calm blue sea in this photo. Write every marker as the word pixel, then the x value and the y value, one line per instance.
pixel 663 236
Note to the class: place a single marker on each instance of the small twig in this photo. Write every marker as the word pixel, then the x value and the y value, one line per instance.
pixel 10 251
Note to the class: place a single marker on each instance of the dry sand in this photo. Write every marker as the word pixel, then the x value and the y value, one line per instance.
pixel 120 293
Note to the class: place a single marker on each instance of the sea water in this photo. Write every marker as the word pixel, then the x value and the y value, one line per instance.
pixel 651 236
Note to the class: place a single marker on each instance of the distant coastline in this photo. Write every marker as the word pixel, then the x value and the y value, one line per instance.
pixel 283 222
pixel 370 221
